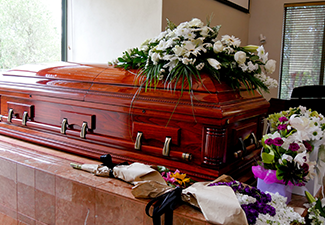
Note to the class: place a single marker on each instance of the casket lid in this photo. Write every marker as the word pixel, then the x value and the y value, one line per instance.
pixel 102 84
pixel 106 75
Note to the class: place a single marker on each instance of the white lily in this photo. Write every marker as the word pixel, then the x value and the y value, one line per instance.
pixel 301 158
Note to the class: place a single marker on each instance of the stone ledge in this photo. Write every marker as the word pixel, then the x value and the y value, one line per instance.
pixel 40 187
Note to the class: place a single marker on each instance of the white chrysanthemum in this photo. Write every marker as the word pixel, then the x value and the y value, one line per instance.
pixel 252 67
pixel 190 35
pixel 193 47
pixel 230 40
pixel 228 50
pixel 316 133
pixel 183 32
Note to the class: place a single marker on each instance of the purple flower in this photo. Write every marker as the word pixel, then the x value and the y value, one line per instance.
pixel 252 210
pixel 305 167
pixel 283 119
pixel 282 127
pixel 278 141
pixel 294 147
pixel 308 146
pixel 268 141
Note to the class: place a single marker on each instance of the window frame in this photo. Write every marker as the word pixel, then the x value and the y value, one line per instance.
pixel 322 66
pixel 64 27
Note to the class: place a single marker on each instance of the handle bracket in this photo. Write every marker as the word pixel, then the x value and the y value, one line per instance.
pixel 137 144
pixel 166 148
pixel 25 118
pixel 10 115
pixel 83 131
pixel 64 125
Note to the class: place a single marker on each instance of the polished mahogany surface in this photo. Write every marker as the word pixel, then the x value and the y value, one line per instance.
pixel 92 110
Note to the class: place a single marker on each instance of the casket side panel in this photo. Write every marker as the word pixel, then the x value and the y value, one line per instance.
pixel 101 111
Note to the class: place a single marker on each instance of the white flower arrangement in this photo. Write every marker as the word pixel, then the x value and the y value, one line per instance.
pixel 183 52
pixel 263 207
pixel 285 215
pixel 316 209
pixel 294 135
pixel 314 215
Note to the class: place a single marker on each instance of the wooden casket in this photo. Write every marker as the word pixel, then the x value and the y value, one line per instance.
pixel 92 110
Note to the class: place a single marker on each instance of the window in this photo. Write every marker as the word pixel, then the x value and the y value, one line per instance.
pixel 303 47
pixel 31 32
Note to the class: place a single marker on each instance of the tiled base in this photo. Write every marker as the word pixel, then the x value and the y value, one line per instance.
pixel 39 187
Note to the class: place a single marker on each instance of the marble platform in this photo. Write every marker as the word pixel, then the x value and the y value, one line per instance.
pixel 38 186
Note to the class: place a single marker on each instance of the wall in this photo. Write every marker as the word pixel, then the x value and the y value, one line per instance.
pixel 101 30
pixel 233 21
pixel 266 17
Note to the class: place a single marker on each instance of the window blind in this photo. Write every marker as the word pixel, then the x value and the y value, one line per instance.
pixel 303 47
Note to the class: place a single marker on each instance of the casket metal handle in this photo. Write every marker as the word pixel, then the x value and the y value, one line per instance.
pixel 83 131
pixel 255 140
pixel 249 140
pixel 166 148
pixel 64 125
pixel 25 117
pixel 10 114
pixel 137 144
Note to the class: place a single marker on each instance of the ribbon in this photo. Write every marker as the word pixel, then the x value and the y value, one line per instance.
pixel 107 161
pixel 164 204
pixel 103 170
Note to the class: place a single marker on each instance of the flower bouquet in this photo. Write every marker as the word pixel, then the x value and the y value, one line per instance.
pixel 294 135
pixel 176 179
pixel 262 208
pixel 181 53
pixel 316 210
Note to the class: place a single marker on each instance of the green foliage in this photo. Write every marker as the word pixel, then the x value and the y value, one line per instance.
pixel 268 158
pixel 180 54
pixel 28 34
